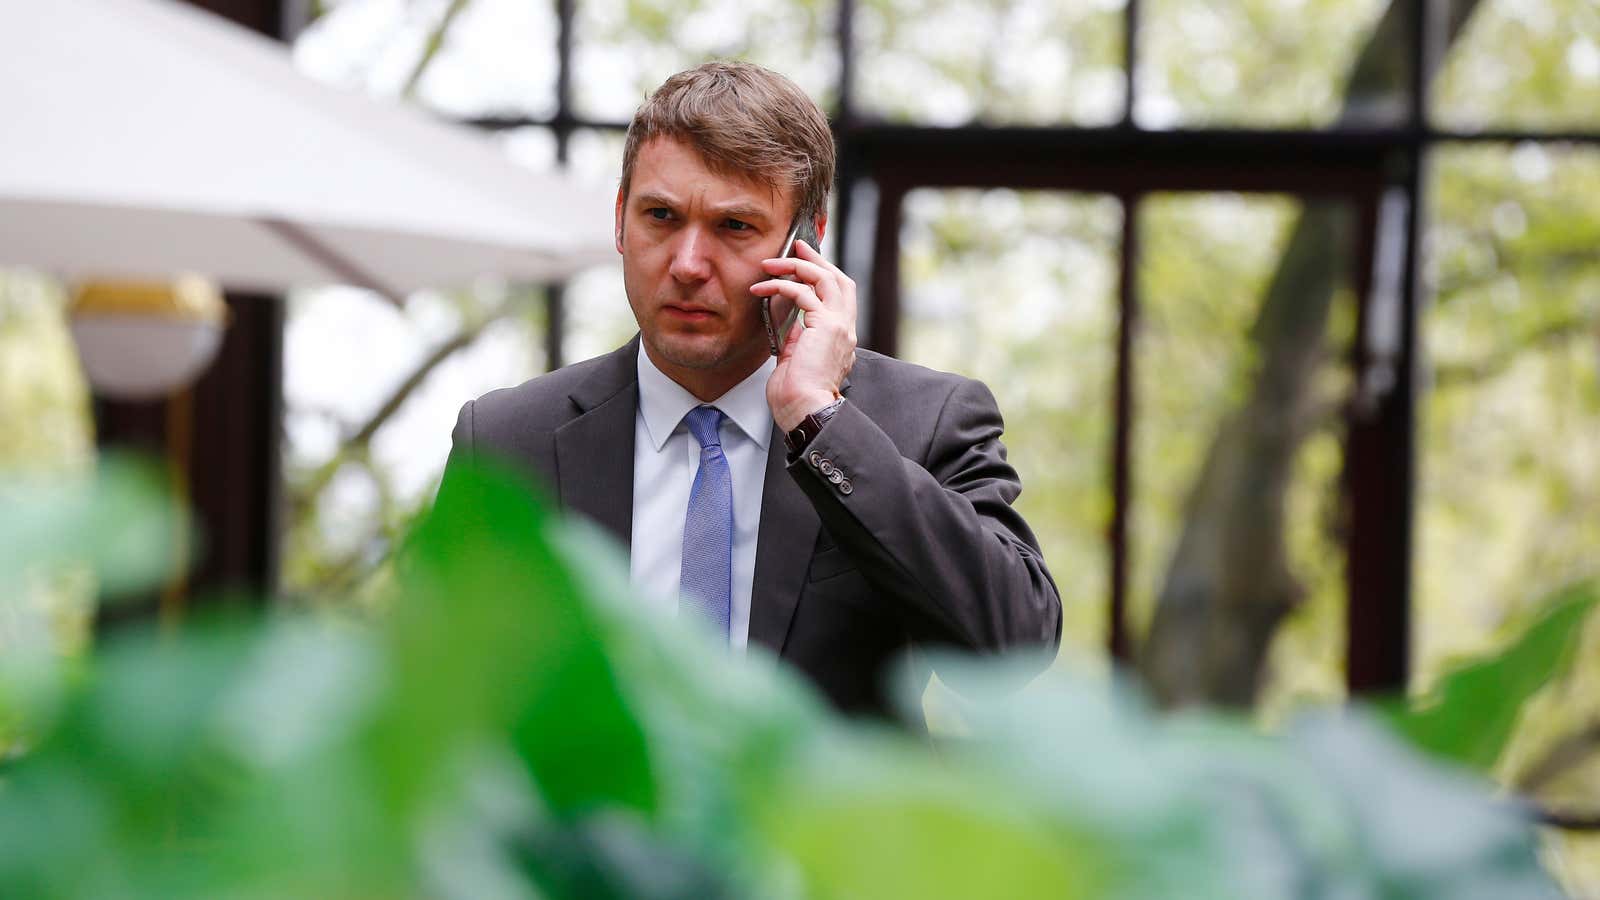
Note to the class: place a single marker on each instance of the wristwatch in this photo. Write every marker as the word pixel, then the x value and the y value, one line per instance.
pixel 802 434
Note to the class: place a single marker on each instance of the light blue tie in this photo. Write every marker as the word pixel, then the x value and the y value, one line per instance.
pixel 706 579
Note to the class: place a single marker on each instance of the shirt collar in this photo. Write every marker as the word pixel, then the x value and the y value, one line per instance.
pixel 663 402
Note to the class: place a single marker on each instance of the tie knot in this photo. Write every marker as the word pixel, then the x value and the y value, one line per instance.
pixel 704 422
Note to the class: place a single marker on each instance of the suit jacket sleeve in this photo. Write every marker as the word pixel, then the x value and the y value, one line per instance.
pixel 462 437
pixel 463 449
pixel 937 537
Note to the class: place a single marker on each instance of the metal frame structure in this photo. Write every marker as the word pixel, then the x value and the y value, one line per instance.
pixel 1378 171
pixel 1373 169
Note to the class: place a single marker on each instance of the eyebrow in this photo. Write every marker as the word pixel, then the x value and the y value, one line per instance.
pixel 743 211
pixel 650 198
pixel 735 210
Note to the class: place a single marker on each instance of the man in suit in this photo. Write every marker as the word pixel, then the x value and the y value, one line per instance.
pixel 833 505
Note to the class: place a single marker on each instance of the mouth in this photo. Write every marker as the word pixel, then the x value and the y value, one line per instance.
pixel 688 313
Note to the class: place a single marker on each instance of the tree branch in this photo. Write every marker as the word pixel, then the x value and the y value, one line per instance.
pixel 1567 821
pixel 431 48
pixel 358 441
pixel 1559 263
pixel 1466 374
pixel 1568 753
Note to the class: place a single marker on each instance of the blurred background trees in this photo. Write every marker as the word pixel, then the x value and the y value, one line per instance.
pixel 1019 288
pixel 47 433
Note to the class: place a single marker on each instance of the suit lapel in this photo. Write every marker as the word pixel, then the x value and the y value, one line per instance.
pixel 594 452
pixel 594 462
pixel 783 550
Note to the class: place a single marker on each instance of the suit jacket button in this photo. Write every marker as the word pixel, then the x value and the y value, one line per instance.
pixel 826 466
pixel 844 487
pixel 836 476
pixel 816 459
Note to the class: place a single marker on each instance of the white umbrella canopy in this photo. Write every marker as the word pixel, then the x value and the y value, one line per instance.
pixel 143 138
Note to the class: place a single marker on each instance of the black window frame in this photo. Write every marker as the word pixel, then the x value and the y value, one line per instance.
pixel 1363 166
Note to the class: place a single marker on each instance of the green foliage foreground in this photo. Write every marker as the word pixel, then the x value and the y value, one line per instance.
pixel 513 729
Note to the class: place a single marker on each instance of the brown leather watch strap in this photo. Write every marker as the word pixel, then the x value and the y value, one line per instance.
pixel 801 435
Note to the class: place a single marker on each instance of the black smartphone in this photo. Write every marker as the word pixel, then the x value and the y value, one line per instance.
pixel 804 229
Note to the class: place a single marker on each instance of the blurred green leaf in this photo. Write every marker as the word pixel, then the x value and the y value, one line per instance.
pixel 879 817
pixel 122 521
pixel 112 530
pixel 1409 828
pixel 493 631
pixel 1201 805
pixel 521 727
pixel 287 757
pixel 1471 715
pixel 612 857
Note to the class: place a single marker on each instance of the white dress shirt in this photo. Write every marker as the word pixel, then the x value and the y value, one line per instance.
pixel 665 460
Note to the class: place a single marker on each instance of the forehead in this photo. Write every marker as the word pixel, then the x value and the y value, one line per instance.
pixel 673 168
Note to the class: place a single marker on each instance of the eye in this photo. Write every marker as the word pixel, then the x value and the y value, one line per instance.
pixel 736 225
pixel 659 213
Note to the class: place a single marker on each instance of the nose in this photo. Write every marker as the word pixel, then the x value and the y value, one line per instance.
pixel 689 262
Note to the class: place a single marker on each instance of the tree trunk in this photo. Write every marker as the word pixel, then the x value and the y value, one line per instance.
pixel 1228 584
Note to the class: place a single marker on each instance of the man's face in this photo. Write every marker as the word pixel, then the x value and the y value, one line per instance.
pixel 692 242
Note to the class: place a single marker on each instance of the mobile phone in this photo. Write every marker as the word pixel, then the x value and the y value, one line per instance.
pixel 806 230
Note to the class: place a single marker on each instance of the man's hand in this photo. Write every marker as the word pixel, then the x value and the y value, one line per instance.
pixel 813 360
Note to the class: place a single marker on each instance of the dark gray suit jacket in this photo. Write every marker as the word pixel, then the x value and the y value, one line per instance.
pixel 914 544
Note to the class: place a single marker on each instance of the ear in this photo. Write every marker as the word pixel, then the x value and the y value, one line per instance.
pixel 822 226
pixel 621 198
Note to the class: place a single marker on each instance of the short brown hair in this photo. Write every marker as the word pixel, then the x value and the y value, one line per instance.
pixel 743 120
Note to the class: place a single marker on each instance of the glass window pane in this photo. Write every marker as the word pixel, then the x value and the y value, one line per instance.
pixel 1206 262
pixel 1018 289
pixel 533 147
pixel 949 62
pixel 1508 506
pixel 598 316
pixel 595 155
pixel 1258 63
pixel 625 48
pixel 498 56
pixel 347 501
pixel 1523 65
pixel 1510 488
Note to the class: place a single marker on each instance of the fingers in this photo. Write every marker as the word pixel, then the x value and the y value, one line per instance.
pixel 800 294
pixel 809 272
pixel 810 254
pixel 830 283
pixel 818 314
pixel 817 357
pixel 820 280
